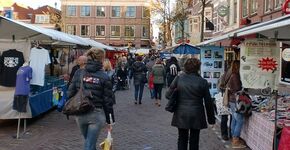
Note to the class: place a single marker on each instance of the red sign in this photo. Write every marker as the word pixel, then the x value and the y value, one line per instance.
pixel 286 7
pixel 268 64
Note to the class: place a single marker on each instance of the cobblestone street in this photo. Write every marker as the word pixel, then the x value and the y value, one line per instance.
pixel 138 127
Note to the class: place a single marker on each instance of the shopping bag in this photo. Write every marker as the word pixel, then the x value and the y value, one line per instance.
pixel 107 143
pixel 226 97
pixel 221 109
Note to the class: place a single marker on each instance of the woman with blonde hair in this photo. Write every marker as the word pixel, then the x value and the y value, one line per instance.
pixel 96 82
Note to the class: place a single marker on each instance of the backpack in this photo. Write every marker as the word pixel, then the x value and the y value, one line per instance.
pixel 173 70
pixel 243 104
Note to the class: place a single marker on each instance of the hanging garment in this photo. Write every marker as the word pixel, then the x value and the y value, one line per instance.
pixel 20 103
pixel 38 59
pixel 10 62
pixel 24 75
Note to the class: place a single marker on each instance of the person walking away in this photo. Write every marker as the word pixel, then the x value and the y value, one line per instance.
pixel 172 69
pixel 234 85
pixel 159 74
pixel 130 62
pixel 192 102
pixel 139 74
pixel 99 85
pixel 108 69
pixel 149 66
pixel 122 76
pixel 81 62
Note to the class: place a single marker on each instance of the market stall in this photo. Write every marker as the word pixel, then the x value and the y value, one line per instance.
pixel 264 60
pixel 16 38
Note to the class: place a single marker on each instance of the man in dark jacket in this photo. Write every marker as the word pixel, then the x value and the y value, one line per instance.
pixel 81 62
pixel 172 69
pixel 98 83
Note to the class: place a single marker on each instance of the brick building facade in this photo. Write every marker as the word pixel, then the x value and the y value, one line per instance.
pixel 115 23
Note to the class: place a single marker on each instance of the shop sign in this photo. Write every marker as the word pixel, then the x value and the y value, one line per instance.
pixel 286 7
pixel 223 10
pixel 268 64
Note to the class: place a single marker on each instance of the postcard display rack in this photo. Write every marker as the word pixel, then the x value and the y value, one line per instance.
pixel 212 66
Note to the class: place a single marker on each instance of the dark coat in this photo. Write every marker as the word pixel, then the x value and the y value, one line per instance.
pixel 193 95
pixel 139 72
pixel 98 82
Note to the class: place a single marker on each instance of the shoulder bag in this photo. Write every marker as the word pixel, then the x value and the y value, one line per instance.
pixel 80 103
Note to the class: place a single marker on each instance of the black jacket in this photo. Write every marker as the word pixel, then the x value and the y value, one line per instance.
pixel 99 83
pixel 139 72
pixel 193 95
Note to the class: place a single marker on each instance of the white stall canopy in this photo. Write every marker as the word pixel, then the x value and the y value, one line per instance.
pixel 277 28
pixel 15 30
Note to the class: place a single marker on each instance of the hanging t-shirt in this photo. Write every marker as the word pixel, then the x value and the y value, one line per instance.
pixel 38 59
pixel 24 75
pixel 10 62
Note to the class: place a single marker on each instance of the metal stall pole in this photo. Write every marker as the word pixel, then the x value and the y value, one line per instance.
pixel 275 95
pixel 18 126
pixel 69 48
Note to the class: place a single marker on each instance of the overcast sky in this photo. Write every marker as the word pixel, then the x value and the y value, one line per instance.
pixel 39 3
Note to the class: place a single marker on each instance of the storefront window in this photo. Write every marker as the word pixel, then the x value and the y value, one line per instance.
pixel 129 31
pixel 85 30
pixel 101 11
pixel 116 11
pixel 100 30
pixel 71 29
pixel 85 11
pixel 131 11
pixel 71 10
pixel 115 31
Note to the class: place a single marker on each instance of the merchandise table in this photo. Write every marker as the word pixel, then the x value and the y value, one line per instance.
pixel 258 132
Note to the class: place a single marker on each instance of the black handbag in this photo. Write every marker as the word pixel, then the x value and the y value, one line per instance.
pixel 80 103
pixel 172 97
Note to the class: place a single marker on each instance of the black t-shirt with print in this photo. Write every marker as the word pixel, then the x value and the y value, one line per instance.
pixel 10 61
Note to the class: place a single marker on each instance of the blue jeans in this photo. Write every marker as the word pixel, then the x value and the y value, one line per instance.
pixel 152 93
pixel 139 92
pixel 90 125
pixel 237 121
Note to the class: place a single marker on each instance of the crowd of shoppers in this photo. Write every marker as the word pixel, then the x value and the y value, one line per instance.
pixel 194 110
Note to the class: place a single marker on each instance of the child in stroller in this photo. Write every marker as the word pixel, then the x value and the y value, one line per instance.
pixel 122 77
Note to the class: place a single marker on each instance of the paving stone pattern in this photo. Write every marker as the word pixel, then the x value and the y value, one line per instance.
pixel 138 127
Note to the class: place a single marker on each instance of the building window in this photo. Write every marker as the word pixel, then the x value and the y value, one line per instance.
pixel 85 30
pixel 129 31
pixel 145 31
pixel 245 8
pixel 145 12
pixel 100 30
pixel 278 3
pixel 115 31
pixel 235 12
pixel 267 5
pixel 254 6
pixel 116 11
pixel 71 10
pixel 41 18
pixel 85 11
pixel 71 29
pixel 131 11
pixel 101 11
pixel 196 24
